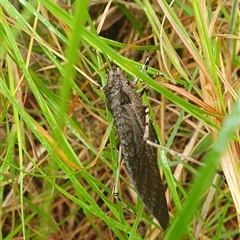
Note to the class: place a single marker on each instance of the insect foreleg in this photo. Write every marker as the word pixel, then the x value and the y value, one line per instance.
pixel 144 67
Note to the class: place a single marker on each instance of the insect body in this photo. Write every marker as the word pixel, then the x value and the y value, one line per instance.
pixel 140 158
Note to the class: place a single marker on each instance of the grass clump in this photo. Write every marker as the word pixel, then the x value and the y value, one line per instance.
pixel 58 141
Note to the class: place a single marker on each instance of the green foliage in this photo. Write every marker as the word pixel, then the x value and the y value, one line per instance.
pixel 54 122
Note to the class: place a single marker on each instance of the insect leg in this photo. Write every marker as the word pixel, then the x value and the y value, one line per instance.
pixel 115 188
pixel 221 173
pixel 144 67
pixel 158 74
pixel 174 153
pixel 146 131
pixel 116 193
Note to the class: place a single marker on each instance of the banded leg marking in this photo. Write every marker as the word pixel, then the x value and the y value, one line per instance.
pixel 144 67
pixel 146 131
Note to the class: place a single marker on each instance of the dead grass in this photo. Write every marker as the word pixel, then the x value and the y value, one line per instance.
pixel 48 211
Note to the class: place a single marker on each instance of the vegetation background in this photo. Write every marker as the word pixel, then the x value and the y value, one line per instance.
pixel 58 143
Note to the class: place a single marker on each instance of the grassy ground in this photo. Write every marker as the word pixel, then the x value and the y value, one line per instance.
pixel 58 143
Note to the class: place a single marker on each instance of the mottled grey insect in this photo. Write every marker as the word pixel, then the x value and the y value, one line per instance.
pixel 129 113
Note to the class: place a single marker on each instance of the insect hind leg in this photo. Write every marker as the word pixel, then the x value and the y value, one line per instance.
pixel 116 193
pixel 115 188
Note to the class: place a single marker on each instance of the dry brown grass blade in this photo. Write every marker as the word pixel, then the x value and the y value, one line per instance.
pixel 192 98
pixel 230 163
